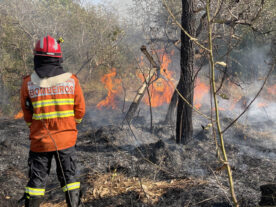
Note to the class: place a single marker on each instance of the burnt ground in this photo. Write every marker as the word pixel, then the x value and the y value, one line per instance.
pixel 134 166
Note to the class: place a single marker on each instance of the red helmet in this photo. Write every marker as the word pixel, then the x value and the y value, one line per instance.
pixel 48 46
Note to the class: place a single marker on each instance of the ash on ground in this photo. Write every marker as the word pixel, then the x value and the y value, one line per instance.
pixel 134 165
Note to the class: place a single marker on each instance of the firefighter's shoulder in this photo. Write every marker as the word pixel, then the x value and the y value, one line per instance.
pixel 75 76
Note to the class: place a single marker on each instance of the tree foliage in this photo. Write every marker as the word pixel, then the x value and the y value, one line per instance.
pixel 92 34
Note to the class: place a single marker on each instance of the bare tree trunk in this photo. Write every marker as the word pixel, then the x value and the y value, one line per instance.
pixel 184 125
pixel 172 106
pixel 141 91
pixel 140 94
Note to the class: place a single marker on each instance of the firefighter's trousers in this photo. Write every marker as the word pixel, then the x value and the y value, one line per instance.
pixel 39 169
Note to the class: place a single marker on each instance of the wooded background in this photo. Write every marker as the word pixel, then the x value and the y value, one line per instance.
pixel 96 40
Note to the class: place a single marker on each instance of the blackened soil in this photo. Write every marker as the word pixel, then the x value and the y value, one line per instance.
pixel 136 152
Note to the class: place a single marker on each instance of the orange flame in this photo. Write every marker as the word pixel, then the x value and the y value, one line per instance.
pixel 261 105
pixel 200 91
pixel 113 86
pixel 19 115
pixel 161 90
pixel 234 93
pixel 234 102
pixel 219 108
pixel 272 90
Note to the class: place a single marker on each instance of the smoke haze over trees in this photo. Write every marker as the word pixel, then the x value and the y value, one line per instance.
pixel 227 45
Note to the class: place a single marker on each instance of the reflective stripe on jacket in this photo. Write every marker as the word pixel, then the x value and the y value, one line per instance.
pixel 57 106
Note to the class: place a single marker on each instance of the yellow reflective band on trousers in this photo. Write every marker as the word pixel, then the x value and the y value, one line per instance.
pixel 71 186
pixel 52 115
pixel 35 191
pixel 53 102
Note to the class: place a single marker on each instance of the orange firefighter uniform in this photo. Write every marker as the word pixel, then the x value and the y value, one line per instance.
pixel 52 108
pixel 58 105
pixel 53 104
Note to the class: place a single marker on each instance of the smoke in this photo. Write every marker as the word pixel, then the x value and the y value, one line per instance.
pixel 255 131
pixel 121 6
pixel 105 117
pixel 261 116
pixel 4 100
pixel 257 58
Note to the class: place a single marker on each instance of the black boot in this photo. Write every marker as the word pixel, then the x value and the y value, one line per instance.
pixel 33 201
pixel 73 198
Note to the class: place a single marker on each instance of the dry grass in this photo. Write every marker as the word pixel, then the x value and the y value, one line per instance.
pixel 62 204
pixel 114 184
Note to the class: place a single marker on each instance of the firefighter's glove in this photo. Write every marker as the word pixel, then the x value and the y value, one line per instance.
pixel 28 105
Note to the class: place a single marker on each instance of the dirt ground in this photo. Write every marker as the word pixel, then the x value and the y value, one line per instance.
pixel 136 166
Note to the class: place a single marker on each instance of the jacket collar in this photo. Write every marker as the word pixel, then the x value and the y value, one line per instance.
pixel 49 82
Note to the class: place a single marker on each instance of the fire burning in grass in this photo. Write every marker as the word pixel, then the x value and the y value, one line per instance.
pixel 272 90
pixel 260 105
pixel 113 86
pixel 19 115
pixel 201 89
pixel 160 90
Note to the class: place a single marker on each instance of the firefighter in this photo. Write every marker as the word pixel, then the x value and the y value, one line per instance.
pixel 53 104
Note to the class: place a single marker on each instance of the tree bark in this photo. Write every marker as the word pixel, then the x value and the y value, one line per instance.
pixel 172 106
pixel 184 123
